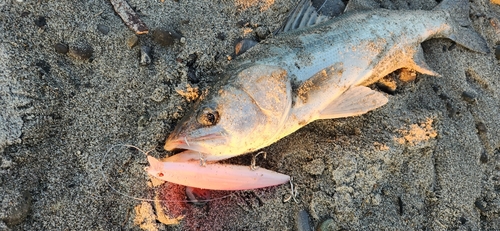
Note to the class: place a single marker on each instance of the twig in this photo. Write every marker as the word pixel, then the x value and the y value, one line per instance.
pixel 129 17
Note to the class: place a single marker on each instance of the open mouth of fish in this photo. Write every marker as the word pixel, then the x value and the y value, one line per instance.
pixel 182 143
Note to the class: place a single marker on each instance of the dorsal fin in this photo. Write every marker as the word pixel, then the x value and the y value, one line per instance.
pixel 311 12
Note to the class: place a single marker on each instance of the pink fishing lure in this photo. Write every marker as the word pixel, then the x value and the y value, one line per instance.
pixel 214 176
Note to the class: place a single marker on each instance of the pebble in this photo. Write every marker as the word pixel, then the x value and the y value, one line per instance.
pixel 221 36
pixel 481 128
pixel 82 51
pixel 15 206
pixel 468 97
pixel 497 52
pixel 132 41
pixel 41 21
pixel 302 221
pixel 484 157
pixel 192 77
pixel 103 29
pixel 145 56
pixel 61 48
pixel 44 66
pixel 166 37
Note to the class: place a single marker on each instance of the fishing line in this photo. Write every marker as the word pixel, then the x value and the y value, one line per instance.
pixel 105 179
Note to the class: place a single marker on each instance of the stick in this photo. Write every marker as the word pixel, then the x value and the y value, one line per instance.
pixel 129 17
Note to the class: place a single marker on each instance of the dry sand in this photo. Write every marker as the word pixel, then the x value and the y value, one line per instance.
pixel 429 159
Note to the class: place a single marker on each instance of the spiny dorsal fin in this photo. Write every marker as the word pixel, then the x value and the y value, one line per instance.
pixel 311 12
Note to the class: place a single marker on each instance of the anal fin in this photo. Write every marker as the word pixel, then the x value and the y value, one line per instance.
pixel 355 101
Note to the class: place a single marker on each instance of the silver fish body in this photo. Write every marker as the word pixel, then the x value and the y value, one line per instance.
pixel 329 67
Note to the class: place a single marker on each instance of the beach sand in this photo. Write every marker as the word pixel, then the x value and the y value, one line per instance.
pixel 429 159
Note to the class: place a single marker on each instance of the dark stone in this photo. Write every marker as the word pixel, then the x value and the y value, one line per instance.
pixel 242 23
pixel 61 48
pixel 302 221
pixel 192 59
pixel 103 29
pixel 481 128
pixel 41 21
pixel 145 56
pixel 469 97
pixel 44 66
pixel 82 51
pixel 192 75
pixel 480 205
pixel 497 52
pixel 221 36
pixel 484 157
pixel 165 37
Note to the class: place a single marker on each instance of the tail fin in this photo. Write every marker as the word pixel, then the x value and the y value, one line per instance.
pixel 462 33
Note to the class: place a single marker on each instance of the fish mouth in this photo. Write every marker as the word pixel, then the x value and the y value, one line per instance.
pixel 182 143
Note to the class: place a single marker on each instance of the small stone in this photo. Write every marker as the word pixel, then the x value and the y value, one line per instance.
pixel 132 41
pixel 61 48
pixel 481 128
pixel 192 59
pixel 182 40
pixel 484 157
pixel 145 56
pixel 468 97
pixel 497 52
pixel 463 220
pixel 192 77
pixel 165 37
pixel 103 29
pixel 44 66
pixel 82 51
pixel 302 221
pixel 221 36
pixel 41 21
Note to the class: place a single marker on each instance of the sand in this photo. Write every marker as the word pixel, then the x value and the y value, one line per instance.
pixel 429 159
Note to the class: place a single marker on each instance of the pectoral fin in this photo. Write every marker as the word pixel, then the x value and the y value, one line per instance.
pixel 355 101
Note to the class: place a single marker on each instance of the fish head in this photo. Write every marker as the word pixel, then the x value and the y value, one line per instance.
pixel 238 118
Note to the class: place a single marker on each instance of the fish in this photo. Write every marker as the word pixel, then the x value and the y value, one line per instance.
pixel 317 72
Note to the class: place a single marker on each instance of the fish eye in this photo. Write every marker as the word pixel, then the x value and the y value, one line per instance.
pixel 208 117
